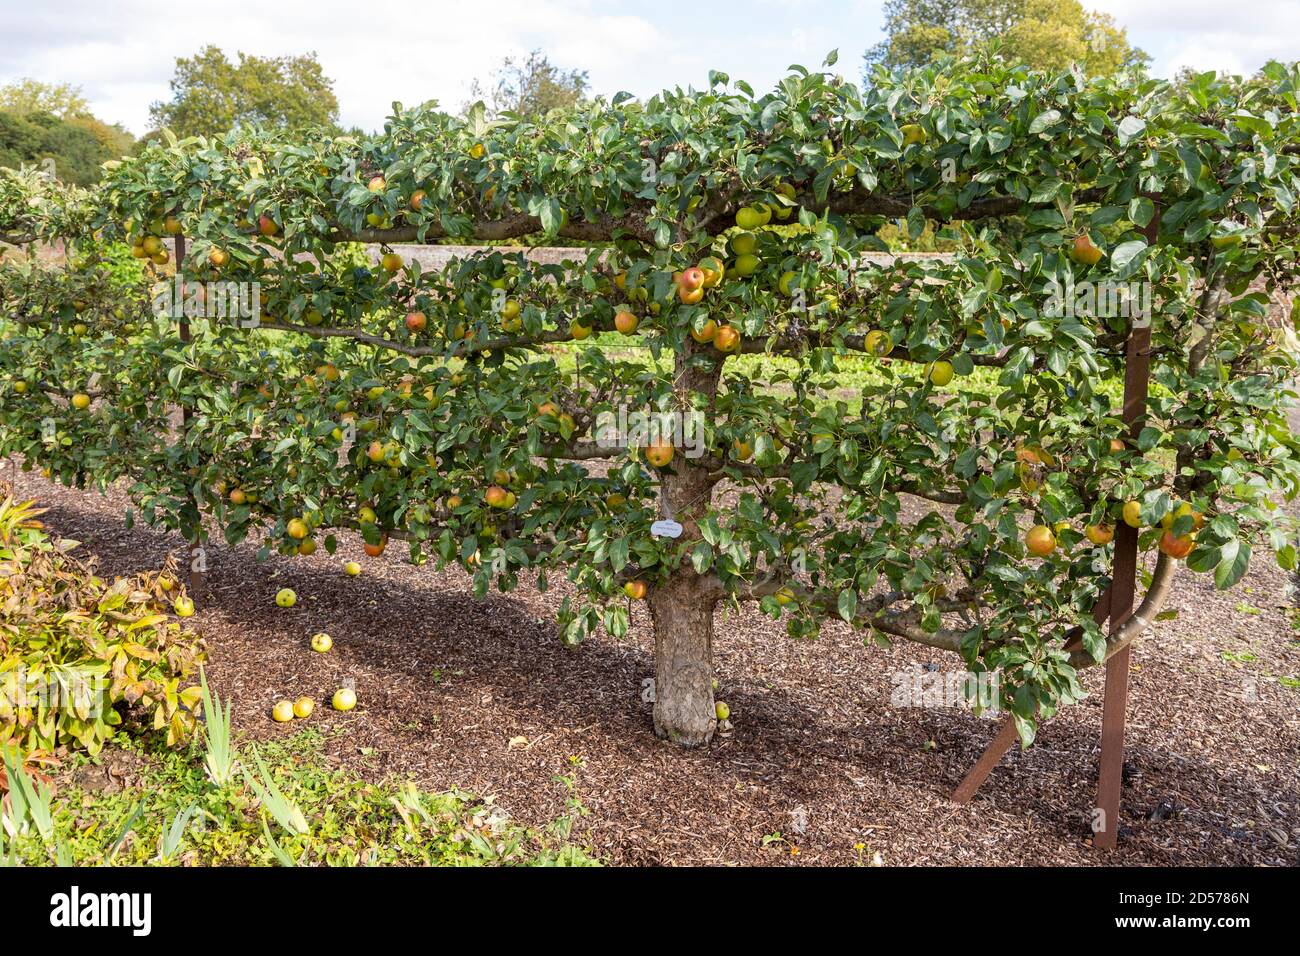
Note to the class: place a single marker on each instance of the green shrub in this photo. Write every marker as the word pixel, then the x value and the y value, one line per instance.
pixel 80 657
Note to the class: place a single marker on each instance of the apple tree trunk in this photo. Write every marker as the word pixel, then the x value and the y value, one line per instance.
pixel 683 626
pixel 682 606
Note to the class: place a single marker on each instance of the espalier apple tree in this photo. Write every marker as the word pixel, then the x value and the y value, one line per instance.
pixel 928 449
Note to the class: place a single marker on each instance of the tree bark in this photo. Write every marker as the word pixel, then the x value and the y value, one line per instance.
pixel 682 607
pixel 682 611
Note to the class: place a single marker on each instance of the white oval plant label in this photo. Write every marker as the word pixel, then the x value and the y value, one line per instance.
pixel 666 529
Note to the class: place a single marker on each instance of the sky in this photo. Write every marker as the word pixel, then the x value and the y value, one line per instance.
pixel 122 53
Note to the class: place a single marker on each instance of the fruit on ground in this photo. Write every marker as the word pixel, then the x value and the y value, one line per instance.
pixel 352 568
pixel 321 643
pixel 183 607
pixel 285 598
pixel 659 453
pixel 416 321
pixel 1083 251
pixel 282 712
pixel 81 401
pixel 1040 540
pixel 726 339
pixel 878 342
pixel 1177 546
pixel 1099 533
pixel 626 322
pixel 941 373
pixel 636 590
pixel 345 698
pixel 303 707
pixel 296 529
pixel 721 709
pixel 1132 514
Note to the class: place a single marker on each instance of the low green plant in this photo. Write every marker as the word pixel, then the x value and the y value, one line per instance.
pixel 220 759
pixel 173 814
pixel 77 654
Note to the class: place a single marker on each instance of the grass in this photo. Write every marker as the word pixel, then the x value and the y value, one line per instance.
pixel 286 806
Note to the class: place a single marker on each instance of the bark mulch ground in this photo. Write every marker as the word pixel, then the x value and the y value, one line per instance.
pixel 819 768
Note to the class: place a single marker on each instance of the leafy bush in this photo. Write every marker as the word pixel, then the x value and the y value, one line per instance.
pixel 288 807
pixel 79 655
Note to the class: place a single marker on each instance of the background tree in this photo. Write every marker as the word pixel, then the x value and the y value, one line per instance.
pixel 63 100
pixel 78 147
pixel 48 121
pixel 1043 34
pixel 211 95
pixel 530 87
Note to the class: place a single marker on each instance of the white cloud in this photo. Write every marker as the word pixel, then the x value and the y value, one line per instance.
pixel 1237 37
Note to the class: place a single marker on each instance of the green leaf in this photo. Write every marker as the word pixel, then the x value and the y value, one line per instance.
pixel 1044 120
pixel 848 604
pixel 1130 127
pixel 1233 563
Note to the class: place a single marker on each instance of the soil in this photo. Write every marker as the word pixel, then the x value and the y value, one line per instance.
pixel 818 766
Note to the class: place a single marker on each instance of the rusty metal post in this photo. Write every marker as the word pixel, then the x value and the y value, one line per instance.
pixel 1115 704
pixel 194 576
pixel 1114 714
pixel 1007 735
pixel 1116 603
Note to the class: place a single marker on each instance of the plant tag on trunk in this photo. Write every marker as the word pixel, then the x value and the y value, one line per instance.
pixel 666 529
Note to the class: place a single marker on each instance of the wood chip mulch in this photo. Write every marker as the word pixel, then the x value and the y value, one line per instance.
pixel 818 768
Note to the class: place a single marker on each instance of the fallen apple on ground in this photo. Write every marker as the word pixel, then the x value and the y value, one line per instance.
pixel 345 698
